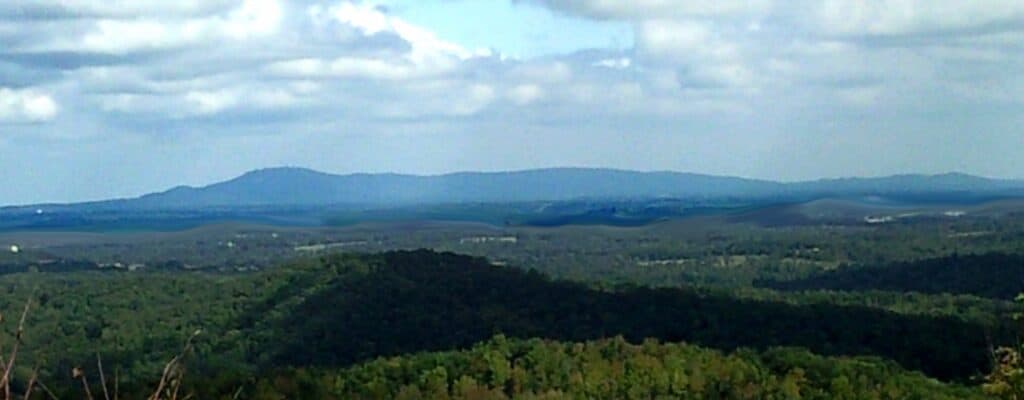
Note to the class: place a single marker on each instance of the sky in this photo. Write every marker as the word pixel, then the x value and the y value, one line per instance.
pixel 102 99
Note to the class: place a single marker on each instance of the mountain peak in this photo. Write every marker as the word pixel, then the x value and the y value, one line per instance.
pixel 279 171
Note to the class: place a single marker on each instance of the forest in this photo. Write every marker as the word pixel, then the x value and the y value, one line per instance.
pixel 991 275
pixel 923 309
pixel 318 321
pixel 502 368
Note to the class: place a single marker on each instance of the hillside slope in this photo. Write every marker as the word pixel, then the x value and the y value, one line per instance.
pixel 346 309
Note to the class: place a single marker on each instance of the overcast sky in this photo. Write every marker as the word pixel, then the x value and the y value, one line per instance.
pixel 103 99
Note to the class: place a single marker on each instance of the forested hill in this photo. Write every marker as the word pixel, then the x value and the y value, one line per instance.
pixel 330 313
pixel 356 308
pixel 303 187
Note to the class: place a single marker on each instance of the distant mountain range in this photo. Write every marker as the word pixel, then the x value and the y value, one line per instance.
pixel 304 187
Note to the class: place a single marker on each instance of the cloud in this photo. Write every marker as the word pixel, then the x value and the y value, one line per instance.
pixel 63 9
pixel 901 17
pixel 239 57
pixel 614 63
pixel 344 67
pixel 526 94
pixel 211 102
pixel 148 32
pixel 542 71
pixel 646 9
pixel 26 106
pixel 730 86
pixel 844 17
pixel 427 50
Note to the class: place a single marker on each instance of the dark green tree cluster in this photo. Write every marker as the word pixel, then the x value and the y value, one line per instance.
pixel 352 308
pixel 993 275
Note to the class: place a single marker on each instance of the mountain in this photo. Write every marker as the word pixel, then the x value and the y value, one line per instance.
pixel 285 187
pixel 296 186
pixel 922 184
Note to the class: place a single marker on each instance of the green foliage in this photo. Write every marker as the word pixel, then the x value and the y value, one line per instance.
pixel 1006 381
pixel 991 275
pixel 399 302
pixel 611 369
pixel 325 313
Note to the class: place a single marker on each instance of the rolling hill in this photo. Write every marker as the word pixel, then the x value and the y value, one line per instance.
pixel 543 197
pixel 279 187
pixel 296 186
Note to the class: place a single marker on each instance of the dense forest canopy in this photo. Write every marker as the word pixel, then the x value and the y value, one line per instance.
pixel 608 369
pixel 326 314
pixel 993 275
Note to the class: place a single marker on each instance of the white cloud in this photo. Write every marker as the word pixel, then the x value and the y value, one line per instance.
pixel 889 17
pixel 114 9
pixel 525 94
pixel 126 103
pixel 614 63
pixel 26 106
pixel 427 49
pixel 848 17
pixel 253 97
pixel 705 53
pixel 441 98
pixel 427 55
pixel 274 99
pixel 253 18
pixel 212 102
pixel 682 38
pixel 345 67
pixel 119 37
pixel 111 35
pixel 477 96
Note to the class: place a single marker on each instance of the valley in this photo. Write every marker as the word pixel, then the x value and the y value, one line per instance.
pixel 904 296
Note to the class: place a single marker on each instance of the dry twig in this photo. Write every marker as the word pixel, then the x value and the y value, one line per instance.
pixel 31 383
pixel 79 373
pixel 103 378
pixel 173 372
pixel 5 380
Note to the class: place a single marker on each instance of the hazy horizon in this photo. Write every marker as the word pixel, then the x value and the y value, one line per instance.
pixel 293 167
pixel 101 101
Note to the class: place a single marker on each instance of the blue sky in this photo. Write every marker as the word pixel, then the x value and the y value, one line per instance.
pixel 104 99
pixel 520 30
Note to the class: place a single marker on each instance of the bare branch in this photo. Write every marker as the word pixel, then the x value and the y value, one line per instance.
pixel 163 378
pixel 103 378
pixel 80 374
pixel 31 383
pixel 46 389
pixel 5 381
pixel 173 367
